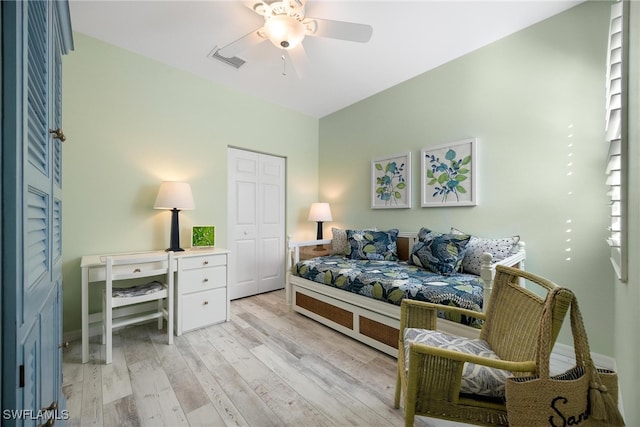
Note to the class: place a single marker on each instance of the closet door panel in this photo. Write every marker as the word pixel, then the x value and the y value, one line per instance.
pixel 243 223
pixel 256 222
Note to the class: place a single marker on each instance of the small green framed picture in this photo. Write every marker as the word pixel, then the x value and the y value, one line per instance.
pixel 203 236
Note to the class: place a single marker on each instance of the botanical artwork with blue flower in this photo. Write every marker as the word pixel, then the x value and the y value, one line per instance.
pixel 391 182
pixel 448 175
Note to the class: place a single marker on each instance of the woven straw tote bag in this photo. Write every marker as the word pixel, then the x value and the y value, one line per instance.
pixel 584 395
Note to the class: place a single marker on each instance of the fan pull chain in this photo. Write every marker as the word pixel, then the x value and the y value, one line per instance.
pixel 284 65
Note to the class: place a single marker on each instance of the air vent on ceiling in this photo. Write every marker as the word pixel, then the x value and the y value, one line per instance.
pixel 234 61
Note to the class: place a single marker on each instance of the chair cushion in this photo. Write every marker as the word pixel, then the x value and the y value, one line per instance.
pixel 136 291
pixel 476 379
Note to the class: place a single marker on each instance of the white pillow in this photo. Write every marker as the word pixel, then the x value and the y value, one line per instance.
pixel 499 248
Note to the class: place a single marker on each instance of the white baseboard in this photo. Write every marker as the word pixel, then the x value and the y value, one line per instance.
pixel 566 353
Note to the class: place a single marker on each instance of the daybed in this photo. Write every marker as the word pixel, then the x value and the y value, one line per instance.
pixel 344 294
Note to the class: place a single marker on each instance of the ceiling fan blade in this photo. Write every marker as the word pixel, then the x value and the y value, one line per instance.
pixel 341 30
pixel 299 61
pixel 253 38
pixel 259 7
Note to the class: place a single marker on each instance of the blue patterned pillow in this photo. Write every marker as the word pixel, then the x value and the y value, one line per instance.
pixel 440 253
pixel 373 245
pixel 423 234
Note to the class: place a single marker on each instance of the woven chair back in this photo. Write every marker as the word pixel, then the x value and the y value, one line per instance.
pixel 513 315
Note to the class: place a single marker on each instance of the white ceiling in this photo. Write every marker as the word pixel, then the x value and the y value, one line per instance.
pixel 409 38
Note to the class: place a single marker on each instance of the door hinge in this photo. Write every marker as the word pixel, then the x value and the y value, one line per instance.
pixel 21 376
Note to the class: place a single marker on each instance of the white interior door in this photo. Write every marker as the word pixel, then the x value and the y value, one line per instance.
pixel 256 222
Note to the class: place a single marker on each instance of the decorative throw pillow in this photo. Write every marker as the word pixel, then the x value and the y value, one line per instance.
pixel 339 244
pixel 440 253
pixel 423 234
pixel 499 248
pixel 476 379
pixel 373 245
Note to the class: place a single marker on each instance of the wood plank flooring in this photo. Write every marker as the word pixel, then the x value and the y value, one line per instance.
pixel 266 367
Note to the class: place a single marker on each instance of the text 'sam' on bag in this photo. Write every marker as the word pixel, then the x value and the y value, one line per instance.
pixel 582 396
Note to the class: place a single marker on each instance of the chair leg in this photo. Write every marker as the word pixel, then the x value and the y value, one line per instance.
pixel 104 321
pixel 160 311
pixel 108 337
pixel 169 322
pixel 396 402
pixel 408 419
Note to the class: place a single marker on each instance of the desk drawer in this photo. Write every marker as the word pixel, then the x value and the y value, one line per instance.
pixel 203 261
pixel 204 308
pixel 139 269
pixel 202 279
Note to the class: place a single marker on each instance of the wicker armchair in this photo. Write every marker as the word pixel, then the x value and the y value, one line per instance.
pixel 431 383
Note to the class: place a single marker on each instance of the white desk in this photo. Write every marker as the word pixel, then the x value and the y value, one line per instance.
pixel 200 287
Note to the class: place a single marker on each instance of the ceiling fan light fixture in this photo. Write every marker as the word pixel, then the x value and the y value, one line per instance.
pixel 284 31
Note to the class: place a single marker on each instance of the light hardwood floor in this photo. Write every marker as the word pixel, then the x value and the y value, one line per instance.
pixel 266 367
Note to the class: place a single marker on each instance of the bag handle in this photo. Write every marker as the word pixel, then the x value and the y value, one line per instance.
pixel 603 407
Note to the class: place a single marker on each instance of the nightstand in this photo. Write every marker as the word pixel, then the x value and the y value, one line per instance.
pixel 308 252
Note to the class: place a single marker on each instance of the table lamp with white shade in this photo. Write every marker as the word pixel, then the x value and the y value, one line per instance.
pixel 320 212
pixel 176 196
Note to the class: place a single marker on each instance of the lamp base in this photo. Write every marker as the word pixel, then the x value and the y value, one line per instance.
pixel 175 232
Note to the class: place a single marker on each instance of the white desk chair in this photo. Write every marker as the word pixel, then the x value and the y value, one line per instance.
pixel 134 267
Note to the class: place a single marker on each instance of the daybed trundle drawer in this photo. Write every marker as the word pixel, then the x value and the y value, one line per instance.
pixel 365 325
pixel 204 308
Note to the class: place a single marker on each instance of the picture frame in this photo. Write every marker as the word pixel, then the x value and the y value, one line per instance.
pixel 391 182
pixel 203 236
pixel 448 174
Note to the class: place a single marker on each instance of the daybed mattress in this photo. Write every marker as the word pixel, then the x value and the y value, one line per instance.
pixel 391 281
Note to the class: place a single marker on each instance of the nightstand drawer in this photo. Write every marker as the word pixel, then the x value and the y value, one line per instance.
pixel 203 279
pixel 204 261
pixel 204 308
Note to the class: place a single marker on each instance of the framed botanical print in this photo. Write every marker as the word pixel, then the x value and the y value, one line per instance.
pixel 391 182
pixel 448 174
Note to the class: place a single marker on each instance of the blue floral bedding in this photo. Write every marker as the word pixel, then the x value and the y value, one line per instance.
pixel 391 281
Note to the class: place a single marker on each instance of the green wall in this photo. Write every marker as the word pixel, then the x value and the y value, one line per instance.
pixel 535 101
pixel 131 123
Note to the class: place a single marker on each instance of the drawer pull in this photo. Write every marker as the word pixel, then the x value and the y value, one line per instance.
pixel 205 280
pixel 205 303
pixel 205 263
pixel 137 270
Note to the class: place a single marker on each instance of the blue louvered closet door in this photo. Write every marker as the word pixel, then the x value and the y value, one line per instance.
pixel 35 34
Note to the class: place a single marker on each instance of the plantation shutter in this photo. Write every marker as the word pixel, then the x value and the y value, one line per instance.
pixel 615 127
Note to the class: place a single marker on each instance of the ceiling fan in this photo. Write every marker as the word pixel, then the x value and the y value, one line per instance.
pixel 286 25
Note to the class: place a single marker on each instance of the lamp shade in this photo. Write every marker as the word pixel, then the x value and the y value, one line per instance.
pixel 174 195
pixel 320 212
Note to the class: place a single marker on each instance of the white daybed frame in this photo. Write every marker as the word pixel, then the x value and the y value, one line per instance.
pixel 367 320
